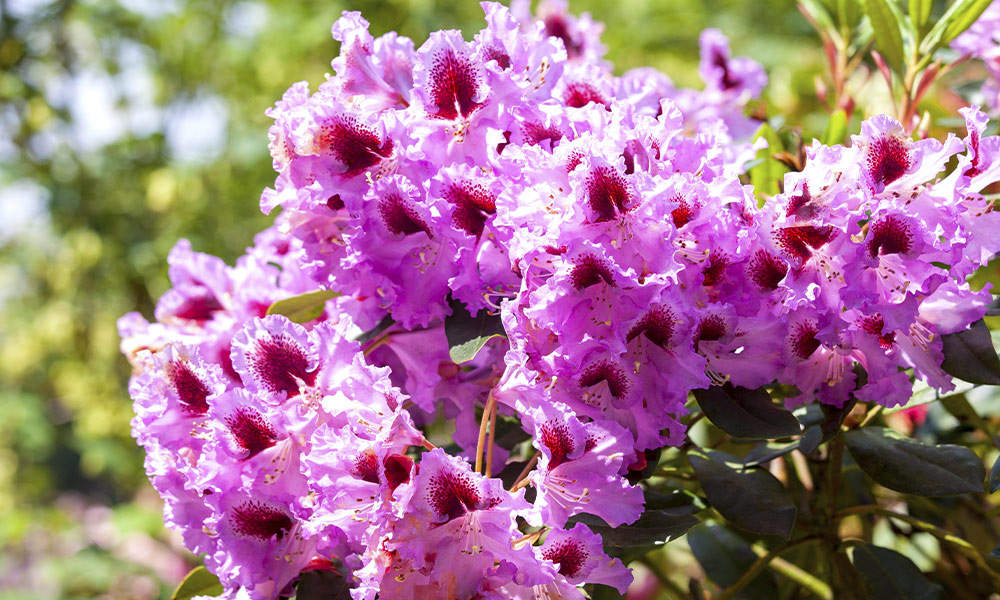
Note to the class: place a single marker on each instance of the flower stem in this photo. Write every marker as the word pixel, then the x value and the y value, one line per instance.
pixel 522 479
pixel 490 403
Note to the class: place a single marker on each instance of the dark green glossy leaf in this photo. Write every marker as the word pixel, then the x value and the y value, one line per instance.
pixel 970 355
pixel 751 499
pixel 304 307
pixel 653 528
pixel 993 310
pixel 725 557
pixel 833 417
pixel 888 575
pixel 767 452
pixel 322 585
pixel 907 466
pixel 995 476
pixel 372 333
pixel 746 413
pixel 199 582
pixel 888 31
pixel 467 334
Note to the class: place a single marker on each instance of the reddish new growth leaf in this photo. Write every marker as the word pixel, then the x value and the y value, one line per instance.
pixel 454 84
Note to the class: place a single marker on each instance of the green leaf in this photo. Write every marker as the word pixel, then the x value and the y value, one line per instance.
pixel 767 452
pixel 820 14
pixel 907 466
pixel 199 582
pixel 920 14
pixel 467 334
pixel 925 394
pixel 767 174
pixel 372 333
pixel 970 355
pixel 888 31
pixel 751 499
pixel 959 17
pixel 303 308
pixel 836 128
pixel 970 13
pixel 888 575
pixel 849 12
pixel 995 476
pixel 746 413
pixel 653 528
pixel 725 558
pixel 323 585
pixel 993 310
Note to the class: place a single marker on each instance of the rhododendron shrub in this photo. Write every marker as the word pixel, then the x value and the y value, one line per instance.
pixel 504 236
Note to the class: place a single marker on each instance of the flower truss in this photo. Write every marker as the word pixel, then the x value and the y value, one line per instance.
pixel 601 220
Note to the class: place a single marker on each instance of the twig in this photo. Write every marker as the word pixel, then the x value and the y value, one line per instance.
pixel 482 432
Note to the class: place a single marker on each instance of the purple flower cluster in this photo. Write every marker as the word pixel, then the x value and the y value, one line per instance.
pixel 982 41
pixel 603 220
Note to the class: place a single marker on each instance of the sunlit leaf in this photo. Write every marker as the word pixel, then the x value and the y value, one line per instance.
pixel 304 307
pixel 888 31
pixel 970 355
pixel 746 413
pixel 198 582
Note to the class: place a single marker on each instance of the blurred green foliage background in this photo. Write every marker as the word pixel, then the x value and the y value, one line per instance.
pixel 127 124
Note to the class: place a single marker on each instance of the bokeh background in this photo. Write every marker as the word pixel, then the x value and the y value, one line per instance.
pixel 127 124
